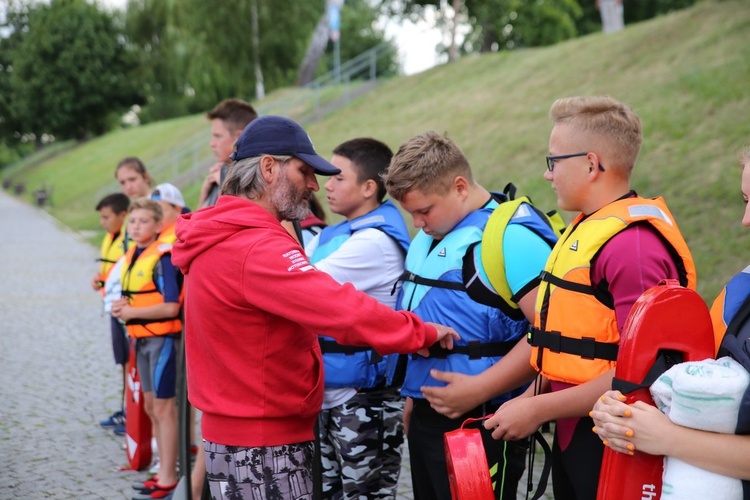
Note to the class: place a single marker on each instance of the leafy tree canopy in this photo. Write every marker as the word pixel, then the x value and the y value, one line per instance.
pixel 67 71
pixel 512 24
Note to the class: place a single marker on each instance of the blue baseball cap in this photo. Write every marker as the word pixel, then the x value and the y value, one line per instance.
pixel 277 135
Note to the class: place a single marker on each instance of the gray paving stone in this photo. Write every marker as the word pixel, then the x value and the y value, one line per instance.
pixel 57 376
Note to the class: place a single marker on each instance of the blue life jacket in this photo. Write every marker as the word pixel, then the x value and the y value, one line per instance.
pixel 350 366
pixel 735 342
pixel 732 308
pixel 434 288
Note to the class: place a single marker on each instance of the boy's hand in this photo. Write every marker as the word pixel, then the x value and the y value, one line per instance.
pixel 456 398
pixel 124 313
pixel 213 177
pixel 515 419
pixel 118 306
pixel 408 408
pixel 214 174
pixel 96 283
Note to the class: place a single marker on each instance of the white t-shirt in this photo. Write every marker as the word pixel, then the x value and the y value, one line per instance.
pixel 370 260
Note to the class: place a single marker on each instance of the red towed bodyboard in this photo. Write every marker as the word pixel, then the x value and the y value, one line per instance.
pixel 667 322
pixel 137 422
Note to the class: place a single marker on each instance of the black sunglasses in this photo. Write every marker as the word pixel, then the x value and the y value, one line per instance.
pixel 551 160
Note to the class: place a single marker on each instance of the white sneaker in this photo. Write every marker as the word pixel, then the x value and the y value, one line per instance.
pixel 154 467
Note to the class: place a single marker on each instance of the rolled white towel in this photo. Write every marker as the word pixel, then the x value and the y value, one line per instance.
pixel 682 481
pixel 703 395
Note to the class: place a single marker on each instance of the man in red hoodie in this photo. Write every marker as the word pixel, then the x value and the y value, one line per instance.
pixel 252 305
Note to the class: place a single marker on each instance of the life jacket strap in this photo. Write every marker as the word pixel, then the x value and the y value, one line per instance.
pixel 567 285
pixel 450 285
pixel 665 360
pixel 586 347
pixel 144 322
pixel 130 293
pixel 474 349
pixel 333 347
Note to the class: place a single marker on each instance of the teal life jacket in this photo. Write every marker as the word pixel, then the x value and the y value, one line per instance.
pixel 484 263
pixel 446 282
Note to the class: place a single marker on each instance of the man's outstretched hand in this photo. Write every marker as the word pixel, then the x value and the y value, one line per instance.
pixel 445 336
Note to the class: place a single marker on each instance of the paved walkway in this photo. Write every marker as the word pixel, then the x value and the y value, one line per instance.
pixel 57 376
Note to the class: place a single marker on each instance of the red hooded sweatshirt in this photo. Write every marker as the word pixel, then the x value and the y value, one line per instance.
pixel 252 303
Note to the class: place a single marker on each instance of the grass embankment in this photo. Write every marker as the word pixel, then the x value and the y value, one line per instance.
pixel 686 74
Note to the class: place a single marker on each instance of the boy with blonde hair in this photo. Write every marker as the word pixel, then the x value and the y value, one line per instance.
pixel 432 180
pixel 150 309
pixel 617 247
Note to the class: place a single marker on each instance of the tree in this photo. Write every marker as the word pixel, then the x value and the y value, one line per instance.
pixel 154 27
pixel 315 50
pixel 213 50
pixel 634 11
pixel 358 33
pixel 501 24
pixel 512 24
pixel 72 72
pixel 16 24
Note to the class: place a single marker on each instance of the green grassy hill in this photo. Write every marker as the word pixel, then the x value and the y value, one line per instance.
pixel 686 75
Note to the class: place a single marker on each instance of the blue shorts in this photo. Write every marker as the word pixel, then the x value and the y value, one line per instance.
pixel 156 358
pixel 120 344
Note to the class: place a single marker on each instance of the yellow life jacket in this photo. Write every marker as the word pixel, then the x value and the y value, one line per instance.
pixel 113 247
pixel 168 235
pixel 575 335
pixel 484 264
pixel 139 285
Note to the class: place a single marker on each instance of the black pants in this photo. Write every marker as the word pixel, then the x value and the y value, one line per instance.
pixel 429 471
pixel 575 471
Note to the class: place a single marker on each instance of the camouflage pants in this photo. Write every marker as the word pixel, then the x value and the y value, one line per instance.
pixel 360 443
pixel 265 473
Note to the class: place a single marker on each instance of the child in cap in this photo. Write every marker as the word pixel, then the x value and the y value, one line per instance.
pixel 172 205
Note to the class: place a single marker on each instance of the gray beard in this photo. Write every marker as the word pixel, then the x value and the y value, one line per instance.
pixel 290 204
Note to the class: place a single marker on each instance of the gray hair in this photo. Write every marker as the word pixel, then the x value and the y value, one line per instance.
pixel 244 178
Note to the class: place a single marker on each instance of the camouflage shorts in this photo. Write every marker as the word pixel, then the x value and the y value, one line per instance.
pixel 265 473
pixel 360 443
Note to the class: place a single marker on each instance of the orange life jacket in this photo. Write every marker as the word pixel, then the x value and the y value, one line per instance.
pixel 139 285
pixel 575 335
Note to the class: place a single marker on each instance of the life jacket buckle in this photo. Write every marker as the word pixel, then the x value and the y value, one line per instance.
pixel 588 347
pixel 474 349
pixel 555 341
